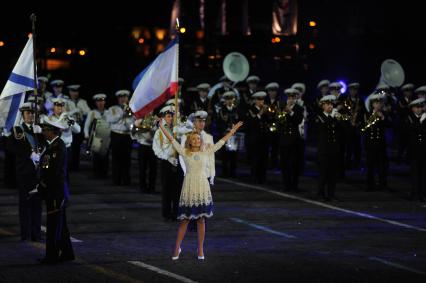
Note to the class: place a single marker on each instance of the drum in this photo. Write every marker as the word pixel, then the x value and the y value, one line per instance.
pixel 101 138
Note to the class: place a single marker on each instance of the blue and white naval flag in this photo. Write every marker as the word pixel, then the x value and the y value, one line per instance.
pixel 20 81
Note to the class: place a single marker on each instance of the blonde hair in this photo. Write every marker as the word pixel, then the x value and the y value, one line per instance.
pixel 188 141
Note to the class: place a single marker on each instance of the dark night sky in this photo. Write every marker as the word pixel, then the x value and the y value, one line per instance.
pixel 354 37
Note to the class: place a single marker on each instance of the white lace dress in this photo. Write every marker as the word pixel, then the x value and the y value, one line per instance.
pixel 196 198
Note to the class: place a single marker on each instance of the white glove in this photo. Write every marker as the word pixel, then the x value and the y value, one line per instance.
pixel 334 112
pixel 173 161
pixel 33 191
pixel 37 129
pixel 423 117
pixel 35 157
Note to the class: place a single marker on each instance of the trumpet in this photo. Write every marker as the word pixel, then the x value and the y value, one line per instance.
pixel 373 119
pixel 65 117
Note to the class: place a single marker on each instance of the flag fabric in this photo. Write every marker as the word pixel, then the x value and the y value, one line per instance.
pixel 20 81
pixel 157 82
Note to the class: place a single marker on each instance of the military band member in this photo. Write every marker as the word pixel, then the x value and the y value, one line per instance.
pixel 100 161
pixel 57 87
pixel 303 126
pixel 354 111
pixel 40 104
pixel 144 134
pixel 389 101
pixel 301 87
pixel 273 103
pixel 42 87
pixel 170 179
pixel 53 189
pixel 81 109
pixel 323 90
pixel 228 116
pixel 24 143
pixel 375 122
pixel 328 148
pixel 201 102
pixel 323 87
pixel 59 114
pixel 403 111
pixel 289 118
pixel 184 105
pixel 120 118
pixel 417 142
pixel 420 92
pixel 252 88
pixel 336 90
pixel 258 124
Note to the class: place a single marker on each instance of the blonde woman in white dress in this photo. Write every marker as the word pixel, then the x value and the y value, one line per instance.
pixel 195 201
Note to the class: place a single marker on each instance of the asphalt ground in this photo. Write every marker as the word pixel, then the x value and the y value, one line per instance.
pixel 257 234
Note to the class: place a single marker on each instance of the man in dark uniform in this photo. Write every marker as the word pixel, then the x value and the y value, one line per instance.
pixel 323 89
pixel 24 144
pixel 375 141
pixel 290 140
pixel 228 116
pixel 328 148
pixel 252 88
pixel 417 142
pixel 273 136
pixel 55 192
pixel 336 90
pixel 258 146
pixel 403 111
pixel 354 111
pixel 201 102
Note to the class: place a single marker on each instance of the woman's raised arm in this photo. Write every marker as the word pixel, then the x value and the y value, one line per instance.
pixel 232 131
pixel 165 132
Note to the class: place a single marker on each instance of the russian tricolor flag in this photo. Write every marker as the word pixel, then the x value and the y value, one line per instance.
pixel 20 81
pixel 157 82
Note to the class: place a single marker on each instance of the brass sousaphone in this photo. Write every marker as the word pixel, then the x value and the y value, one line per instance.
pixel 236 68
pixel 391 74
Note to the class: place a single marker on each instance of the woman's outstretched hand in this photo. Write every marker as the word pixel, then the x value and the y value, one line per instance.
pixel 236 127
pixel 232 131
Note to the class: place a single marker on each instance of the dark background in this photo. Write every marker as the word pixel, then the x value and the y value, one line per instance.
pixel 351 40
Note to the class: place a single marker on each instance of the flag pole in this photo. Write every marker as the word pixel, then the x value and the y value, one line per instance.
pixel 177 72
pixel 33 20
pixel 36 114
